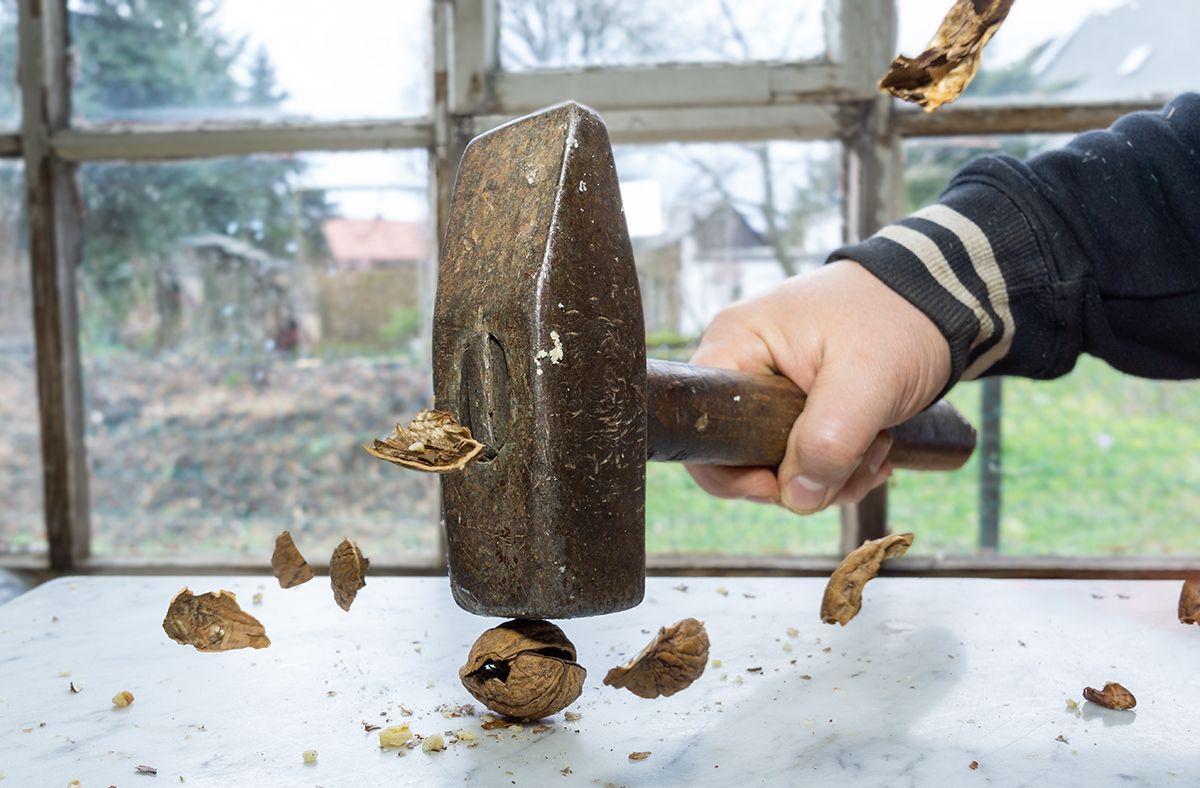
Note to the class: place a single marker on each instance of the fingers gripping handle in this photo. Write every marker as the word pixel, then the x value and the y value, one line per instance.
pixel 712 416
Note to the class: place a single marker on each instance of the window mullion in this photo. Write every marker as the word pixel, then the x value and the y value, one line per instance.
pixel 53 210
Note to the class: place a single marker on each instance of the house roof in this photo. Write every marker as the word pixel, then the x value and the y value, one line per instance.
pixel 375 240
pixel 724 227
pixel 1140 49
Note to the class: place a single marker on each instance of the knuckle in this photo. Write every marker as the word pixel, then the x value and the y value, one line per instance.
pixel 828 448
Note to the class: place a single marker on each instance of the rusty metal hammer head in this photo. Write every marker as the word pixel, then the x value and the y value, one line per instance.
pixel 539 347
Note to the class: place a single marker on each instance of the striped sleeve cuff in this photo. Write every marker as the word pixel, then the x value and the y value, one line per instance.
pixel 963 262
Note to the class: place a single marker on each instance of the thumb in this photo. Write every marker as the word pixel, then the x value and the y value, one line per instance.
pixel 842 417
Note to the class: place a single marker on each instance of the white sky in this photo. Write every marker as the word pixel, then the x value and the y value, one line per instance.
pixel 369 58
pixel 1029 23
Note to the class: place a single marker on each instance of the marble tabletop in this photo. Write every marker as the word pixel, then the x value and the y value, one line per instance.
pixel 933 675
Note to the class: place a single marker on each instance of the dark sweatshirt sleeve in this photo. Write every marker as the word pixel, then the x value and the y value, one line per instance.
pixel 1094 248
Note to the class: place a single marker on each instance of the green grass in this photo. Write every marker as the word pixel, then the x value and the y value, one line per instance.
pixel 1096 463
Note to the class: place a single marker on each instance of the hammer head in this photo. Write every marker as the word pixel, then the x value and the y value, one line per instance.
pixel 539 347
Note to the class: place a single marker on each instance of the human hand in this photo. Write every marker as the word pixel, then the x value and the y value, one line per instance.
pixel 868 360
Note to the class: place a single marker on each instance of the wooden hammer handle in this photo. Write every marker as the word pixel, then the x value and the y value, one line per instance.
pixel 712 416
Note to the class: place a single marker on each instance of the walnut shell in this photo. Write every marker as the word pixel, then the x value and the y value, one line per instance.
pixel 524 669
pixel 1113 696
pixel 670 663
pixel 213 622
pixel 843 593
pixel 347 573
pixel 942 72
pixel 1189 602
pixel 288 566
pixel 433 442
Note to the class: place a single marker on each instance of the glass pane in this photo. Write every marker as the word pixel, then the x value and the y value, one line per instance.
pixel 1095 463
pixel 10 91
pixel 178 60
pixel 537 34
pixel 22 528
pixel 712 224
pixel 247 324
pixel 1077 50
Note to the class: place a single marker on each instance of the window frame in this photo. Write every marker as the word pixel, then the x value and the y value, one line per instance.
pixel 833 97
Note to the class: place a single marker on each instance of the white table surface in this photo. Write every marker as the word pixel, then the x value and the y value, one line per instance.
pixel 932 675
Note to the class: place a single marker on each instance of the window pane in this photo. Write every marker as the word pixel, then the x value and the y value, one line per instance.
pixel 1095 463
pixel 165 60
pixel 247 325
pixel 10 91
pixel 535 34
pixel 22 528
pixel 712 224
pixel 1077 50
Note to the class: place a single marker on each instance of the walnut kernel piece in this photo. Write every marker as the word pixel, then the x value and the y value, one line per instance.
pixel 309 756
pixel 524 669
pixel 347 570
pixel 213 622
pixel 1189 602
pixel 395 736
pixel 434 442
pixel 434 743
pixel 287 564
pixel 1113 696
pixel 668 664
pixel 843 594
pixel 939 74
pixel 122 699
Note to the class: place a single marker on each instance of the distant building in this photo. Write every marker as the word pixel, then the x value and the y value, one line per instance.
pixel 714 257
pixel 1144 49
pixel 369 294
pixel 364 244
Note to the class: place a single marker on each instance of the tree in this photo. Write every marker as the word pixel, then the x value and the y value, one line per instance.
pixel 552 33
pixel 167 59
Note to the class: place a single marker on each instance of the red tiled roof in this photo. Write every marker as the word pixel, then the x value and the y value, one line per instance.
pixel 375 240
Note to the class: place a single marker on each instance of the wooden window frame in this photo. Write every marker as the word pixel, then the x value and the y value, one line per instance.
pixel 832 97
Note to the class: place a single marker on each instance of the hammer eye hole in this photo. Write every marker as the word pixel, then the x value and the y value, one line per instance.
pixel 483 399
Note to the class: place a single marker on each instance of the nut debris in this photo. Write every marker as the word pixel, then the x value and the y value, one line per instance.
pixel 145 770
pixel 843 594
pixel 1189 602
pixel 213 622
pixel 287 564
pixel 524 669
pixel 639 756
pixel 942 72
pixel 1113 696
pixel 347 571
pixel 434 442
pixel 122 699
pixel 668 664
pixel 395 736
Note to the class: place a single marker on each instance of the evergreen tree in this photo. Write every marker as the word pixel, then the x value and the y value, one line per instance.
pixel 140 60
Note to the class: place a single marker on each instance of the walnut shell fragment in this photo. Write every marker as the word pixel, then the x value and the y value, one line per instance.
pixel 524 669
pixel 670 663
pixel 1113 696
pixel 213 622
pixel 843 593
pixel 434 442
pixel 1189 602
pixel 287 564
pixel 942 72
pixel 347 573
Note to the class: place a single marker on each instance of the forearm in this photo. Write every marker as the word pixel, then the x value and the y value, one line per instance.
pixel 1094 248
